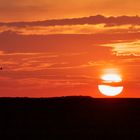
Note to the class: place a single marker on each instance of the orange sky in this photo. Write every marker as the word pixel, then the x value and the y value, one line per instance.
pixel 62 57
pixel 16 10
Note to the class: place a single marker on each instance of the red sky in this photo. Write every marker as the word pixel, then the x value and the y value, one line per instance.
pixel 47 58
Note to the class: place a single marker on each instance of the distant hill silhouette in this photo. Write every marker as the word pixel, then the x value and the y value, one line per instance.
pixel 70 118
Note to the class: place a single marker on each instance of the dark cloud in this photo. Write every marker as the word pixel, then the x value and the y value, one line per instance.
pixel 98 19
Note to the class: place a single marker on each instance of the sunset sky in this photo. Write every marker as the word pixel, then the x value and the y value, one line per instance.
pixel 62 47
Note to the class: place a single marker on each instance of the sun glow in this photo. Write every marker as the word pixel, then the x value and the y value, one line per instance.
pixel 110 84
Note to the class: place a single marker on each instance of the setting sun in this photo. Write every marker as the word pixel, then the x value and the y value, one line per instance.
pixel 110 85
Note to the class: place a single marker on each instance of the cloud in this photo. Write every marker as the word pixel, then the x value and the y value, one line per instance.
pixel 72 43
pixel 126 48
pixel 93 20
pixel 85 25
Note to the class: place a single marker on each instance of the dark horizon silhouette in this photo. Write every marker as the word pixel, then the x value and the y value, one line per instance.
pixel 73 117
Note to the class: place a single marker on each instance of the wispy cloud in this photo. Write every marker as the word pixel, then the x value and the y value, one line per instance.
pixel 126 48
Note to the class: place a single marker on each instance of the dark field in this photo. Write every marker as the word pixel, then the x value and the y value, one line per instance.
pixel 70 118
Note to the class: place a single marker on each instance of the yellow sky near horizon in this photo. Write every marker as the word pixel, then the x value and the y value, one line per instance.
pixel 28 10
